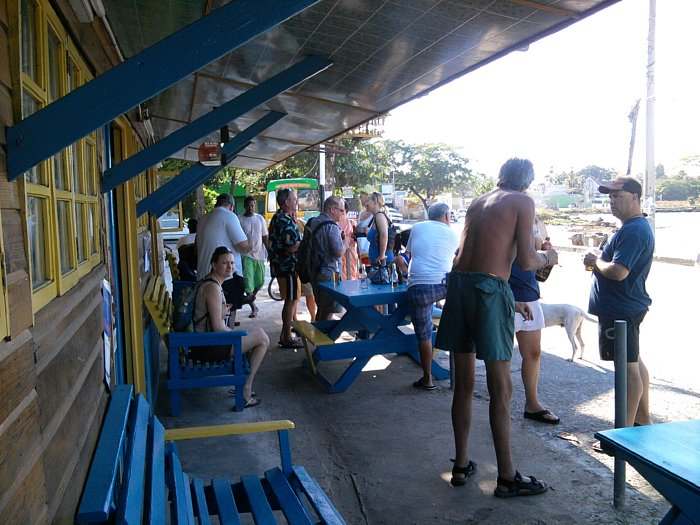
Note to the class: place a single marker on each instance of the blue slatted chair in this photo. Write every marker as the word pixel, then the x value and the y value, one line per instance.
pixel 136 476
pixel 183 373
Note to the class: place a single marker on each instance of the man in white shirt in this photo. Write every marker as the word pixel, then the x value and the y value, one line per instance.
pixel 432 247
pixel 255 229
pixel 220 227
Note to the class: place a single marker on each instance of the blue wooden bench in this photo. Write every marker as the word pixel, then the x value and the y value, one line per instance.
pixel 183 372
pixel 136 476
pixel 668 456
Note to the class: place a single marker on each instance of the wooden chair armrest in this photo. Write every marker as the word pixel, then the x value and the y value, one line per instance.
pixel 178 434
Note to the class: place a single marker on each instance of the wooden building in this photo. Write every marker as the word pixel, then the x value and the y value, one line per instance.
pixel 56 252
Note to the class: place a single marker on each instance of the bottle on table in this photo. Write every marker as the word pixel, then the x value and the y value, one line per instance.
pixel 364 281
pixel 394 279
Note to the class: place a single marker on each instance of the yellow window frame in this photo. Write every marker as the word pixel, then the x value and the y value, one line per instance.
pixel 81 188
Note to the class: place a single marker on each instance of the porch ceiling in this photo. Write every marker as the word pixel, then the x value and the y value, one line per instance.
pixel 385 53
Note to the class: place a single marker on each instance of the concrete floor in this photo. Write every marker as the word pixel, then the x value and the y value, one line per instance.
pixel 381 450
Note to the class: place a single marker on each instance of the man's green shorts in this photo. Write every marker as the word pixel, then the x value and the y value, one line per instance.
pixel 253 273
pixel 478 316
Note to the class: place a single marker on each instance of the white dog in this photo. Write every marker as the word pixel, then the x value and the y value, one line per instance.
pixel 571 318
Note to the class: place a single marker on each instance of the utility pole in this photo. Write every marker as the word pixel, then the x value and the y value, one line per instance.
pixel 322 172
pixel 649 203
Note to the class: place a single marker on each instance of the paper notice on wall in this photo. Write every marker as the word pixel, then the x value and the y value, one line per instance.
pixel 107 324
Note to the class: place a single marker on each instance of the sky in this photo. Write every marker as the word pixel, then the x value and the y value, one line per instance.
pixel 564 102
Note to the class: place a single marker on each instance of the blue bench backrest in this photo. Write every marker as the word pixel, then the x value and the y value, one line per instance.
pixel 130 456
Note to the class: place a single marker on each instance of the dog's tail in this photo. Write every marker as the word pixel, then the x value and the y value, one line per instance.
pixel 589 318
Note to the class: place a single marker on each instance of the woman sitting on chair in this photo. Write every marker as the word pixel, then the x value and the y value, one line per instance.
pixel 211 314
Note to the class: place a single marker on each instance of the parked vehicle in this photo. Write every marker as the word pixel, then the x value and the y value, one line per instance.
pixel 394 214
pixel 170 227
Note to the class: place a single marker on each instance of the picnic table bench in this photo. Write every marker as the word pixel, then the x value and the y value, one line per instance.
pixel 668 456
pixel 136 476
pixel 377 333
pixel 183 372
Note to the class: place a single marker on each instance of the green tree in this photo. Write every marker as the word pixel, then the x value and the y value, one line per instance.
pixel 429 169
pixel 678 188
pixel 596 173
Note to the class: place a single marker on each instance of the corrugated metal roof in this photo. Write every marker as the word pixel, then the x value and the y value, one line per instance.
pixel 385 53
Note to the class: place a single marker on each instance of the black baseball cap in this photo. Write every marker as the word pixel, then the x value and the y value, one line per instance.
pixel 628 184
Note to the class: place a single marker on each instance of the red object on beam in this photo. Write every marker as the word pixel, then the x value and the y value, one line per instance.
pixel 209 153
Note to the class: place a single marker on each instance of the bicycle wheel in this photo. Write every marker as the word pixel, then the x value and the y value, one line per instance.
pixel 273 290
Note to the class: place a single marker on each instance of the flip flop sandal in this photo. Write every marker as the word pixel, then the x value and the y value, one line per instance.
pixel 519 487
pixel 419 384
pixel 232 392
pixel 600 449
pixel 252 402
pixel 541 417
pixel 467 472
pixel 293 343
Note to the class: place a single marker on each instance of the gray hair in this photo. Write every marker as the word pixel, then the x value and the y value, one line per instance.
pixel 224 199
pixel 331 202
pixel 437 211
pixel 516 174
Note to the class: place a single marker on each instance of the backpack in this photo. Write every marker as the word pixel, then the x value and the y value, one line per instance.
pixel 392 231
pixel 184 298
pixel 306 257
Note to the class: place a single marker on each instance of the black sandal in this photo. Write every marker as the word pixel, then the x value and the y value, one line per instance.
pixel 519 487
pixel 421 385
pixel 467 472
pixel 541 417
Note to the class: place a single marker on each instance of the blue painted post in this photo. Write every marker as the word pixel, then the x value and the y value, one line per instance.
pixel 213 120
pixel 620 407
pixel 285 451
pixel 119 343
pixel 142 77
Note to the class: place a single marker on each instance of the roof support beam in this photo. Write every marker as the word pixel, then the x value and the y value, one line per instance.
pixel 165 197
pixel 141 77
pixel 213 120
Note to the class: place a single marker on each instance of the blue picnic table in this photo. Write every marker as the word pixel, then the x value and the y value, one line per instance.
pixel 668 456
pixel 378 333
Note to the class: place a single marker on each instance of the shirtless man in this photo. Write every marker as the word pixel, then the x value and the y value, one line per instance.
pixel 478 318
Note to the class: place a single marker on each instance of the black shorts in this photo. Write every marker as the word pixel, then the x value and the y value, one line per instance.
pixel 606 337
pixel 289 285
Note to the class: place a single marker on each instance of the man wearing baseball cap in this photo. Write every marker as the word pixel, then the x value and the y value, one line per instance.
pixel 618 291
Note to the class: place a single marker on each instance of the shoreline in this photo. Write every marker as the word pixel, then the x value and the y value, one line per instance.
pixel 659 258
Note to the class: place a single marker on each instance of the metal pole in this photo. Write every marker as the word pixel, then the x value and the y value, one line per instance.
pixel 649 203
pixel 620 407
pixel 322 171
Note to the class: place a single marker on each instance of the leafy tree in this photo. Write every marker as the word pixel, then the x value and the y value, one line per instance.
pixel 357 163
pixel 483 184
pixel 596 173
pixel 678 188
pixel 429 169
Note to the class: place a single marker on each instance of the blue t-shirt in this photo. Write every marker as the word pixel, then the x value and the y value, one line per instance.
pixel 632 246
pixel 523 284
